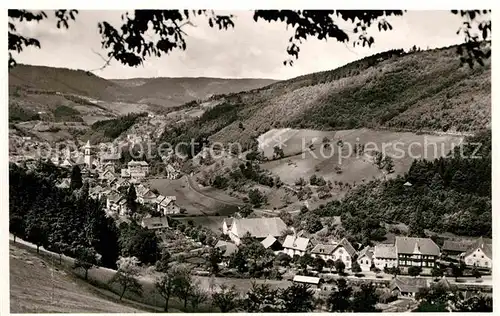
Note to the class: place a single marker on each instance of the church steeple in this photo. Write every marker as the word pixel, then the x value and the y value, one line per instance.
pixel 88 154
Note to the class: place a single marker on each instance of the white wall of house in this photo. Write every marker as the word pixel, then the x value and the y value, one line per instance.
pixel 365 263
pixel 171 208
pixel 479 259
pixel 342 254
pixel 325 257
pixel 233 235
pixel 292 252
pixel 381 263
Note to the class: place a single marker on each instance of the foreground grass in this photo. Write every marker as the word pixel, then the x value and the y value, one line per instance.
pixel 39 285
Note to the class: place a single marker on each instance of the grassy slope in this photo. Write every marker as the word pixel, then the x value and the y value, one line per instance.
pixel 38 286
pixel 357 167
pixel 425 90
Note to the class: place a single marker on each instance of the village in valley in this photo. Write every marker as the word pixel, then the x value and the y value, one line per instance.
pixel 101 209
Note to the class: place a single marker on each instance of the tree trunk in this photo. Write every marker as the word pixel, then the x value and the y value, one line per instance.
pixel 166 303
pixel 123 292
pixel 37 248
pixel 185 302
pixel 14 238
pixel 60 258
pixel 86 274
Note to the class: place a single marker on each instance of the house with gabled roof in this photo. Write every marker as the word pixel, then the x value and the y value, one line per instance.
pixel 145 195
pixel 413 251
pixel 171 172
pixel 345 252
pixel 167 205
pixel 109 166
pixel 295 245
pixel 138 169
pixel 324 251
pixel 385 255
pixel 112 200
pixel 453 248
pixel 259 228
pixel 365 258
pixel 479 254
pixel 107 177
pixel 227 249
pixel 121 183
pixel 155 222
pixel 271 242
pixel 407 287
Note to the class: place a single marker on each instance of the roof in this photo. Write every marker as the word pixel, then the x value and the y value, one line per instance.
pixel 425 246
pixel 347 246
pixel 408 285
pixel 125 173
pixel 137 163
pixel 87 145
pixel 107 172
pixel 227 247
pixel 65 183
pixel 122 181
pixel 114 197
pixel 167 200
pixel 324 248
pixel 155 222
pixel 407 184
pixel 148 194
pixel 297 243
pixel 80 160
pixel 385 251
pixel 458 246
pixel 444 283
pixel 367 251
pixel 159 198
pixel 485 244
pixel 269 241
pixel 259 227
pixel 306 279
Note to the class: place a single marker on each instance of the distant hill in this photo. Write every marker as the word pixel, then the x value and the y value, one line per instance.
pixel 35 89
pixel 170 92
pixel 426 90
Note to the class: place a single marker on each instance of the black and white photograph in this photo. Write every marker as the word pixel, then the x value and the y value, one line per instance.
pixel 248 160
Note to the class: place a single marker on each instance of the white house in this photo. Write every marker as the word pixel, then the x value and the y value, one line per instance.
pixel 171 172
pixel 138 169
pixel 365 258
pixel 385 255
pixel 295 245
pixel 166 205
pixel 145 195
pixel 345 252
pixel 323 251
pixel 259 228
pixel 479 254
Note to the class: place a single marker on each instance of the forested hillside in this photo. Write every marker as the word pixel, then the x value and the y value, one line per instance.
pixel 450 194
pixel 421 90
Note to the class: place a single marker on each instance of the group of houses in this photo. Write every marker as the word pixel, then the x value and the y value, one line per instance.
pixel 404 253
pixel 116 198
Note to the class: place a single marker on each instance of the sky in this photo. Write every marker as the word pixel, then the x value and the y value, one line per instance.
pixel 250 50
